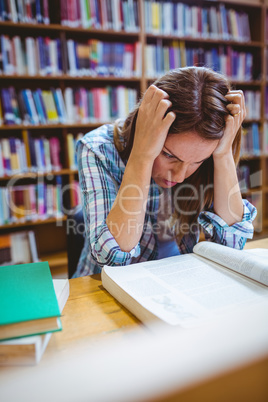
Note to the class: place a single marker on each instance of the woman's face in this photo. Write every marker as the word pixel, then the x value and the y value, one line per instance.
pixel 181 156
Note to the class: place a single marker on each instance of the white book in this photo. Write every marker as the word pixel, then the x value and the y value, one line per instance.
pixel 191 289
pixel 71 57
pixel 19 59
pixel 31 56
pixel 52 46
pixel 115 13
pixel 69 103
pixel 29 350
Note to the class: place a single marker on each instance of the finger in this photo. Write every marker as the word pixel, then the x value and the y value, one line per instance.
pixel 168 120
pixel 237 97
pixel 233 108
pixel 162 107
pixel 158 95
pixel 149 93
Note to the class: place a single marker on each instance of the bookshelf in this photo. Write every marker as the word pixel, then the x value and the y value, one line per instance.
pixel 51 232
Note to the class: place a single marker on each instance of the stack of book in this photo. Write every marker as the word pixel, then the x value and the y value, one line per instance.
pixel 30 305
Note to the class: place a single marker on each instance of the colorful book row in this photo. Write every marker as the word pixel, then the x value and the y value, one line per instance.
pixel 29 155
pixel 117 15
pixel 40 155
pixel 184 20
pixel 40 56
pixel 25 11
pixel 250 141
pixel 30 202
pixel 236 65
pixel 97 58
pixel 76 105
pixel 43 56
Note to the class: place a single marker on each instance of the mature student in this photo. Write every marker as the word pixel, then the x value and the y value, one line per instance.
pixel 151 182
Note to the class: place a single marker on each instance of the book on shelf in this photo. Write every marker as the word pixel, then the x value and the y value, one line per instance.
pixel 237 65
pixel 253 104
pixel 29 154
pixel 28 303
pixel 29 350
pixel 33 12
pixel 190 289
pixel 23 203
pixel 209 22
pixel 116 15
pixel 250 140
pixel 98 58
pixel 75 105
pixel 18 248
pixel 71 144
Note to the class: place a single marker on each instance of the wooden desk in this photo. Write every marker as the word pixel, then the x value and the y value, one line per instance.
pixel 91 315
pixel 92 311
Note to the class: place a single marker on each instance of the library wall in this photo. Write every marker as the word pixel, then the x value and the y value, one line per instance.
pixel 66 67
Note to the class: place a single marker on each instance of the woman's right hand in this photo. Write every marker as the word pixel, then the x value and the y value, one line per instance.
pixel 152 125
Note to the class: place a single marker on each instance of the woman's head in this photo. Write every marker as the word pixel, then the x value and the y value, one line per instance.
pixel 198 100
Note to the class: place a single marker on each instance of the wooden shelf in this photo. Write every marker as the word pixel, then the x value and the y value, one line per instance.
pixel 66 77
pixel 33 223
pixel 52 126
pixel 33 175
pixel 205 41
pixel 63 28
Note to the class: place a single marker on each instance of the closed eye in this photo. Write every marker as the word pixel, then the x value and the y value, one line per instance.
pixel 167 155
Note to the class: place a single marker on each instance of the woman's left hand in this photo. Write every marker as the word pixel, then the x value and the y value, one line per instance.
pixel 237 110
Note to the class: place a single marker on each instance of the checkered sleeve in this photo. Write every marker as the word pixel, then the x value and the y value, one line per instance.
pixel 98 191
pixel 235 236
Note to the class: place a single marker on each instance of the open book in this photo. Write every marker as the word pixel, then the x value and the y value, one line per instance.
pixel 189 289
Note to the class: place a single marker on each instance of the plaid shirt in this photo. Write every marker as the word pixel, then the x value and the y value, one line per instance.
pixel 101 172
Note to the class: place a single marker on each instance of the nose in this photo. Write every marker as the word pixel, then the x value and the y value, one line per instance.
pixel 179 174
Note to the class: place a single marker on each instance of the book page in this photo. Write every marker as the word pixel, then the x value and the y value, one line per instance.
pixel 182 290
pixel 253 265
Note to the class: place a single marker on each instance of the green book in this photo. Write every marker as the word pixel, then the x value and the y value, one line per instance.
pixel 28 303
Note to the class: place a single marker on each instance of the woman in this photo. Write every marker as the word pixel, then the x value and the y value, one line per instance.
pixel 148 184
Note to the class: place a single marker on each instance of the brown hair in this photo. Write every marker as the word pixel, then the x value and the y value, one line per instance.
pixel 198 100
